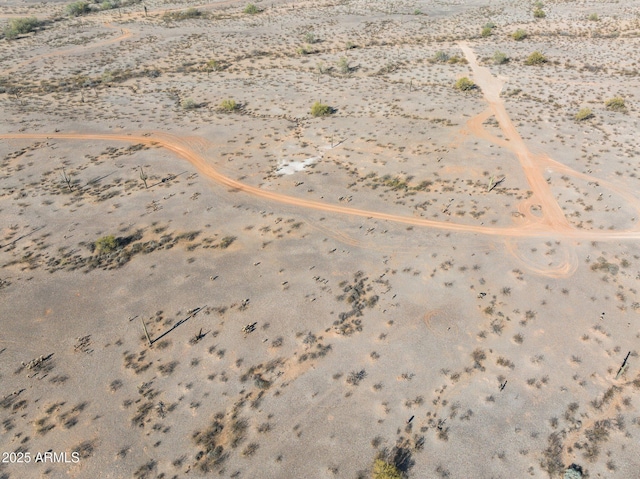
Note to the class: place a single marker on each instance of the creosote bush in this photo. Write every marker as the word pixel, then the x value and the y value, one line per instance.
pixel 229 105
pixel 441 57
pixel 189 104
pixel 486 31
pixel 539 13
pixel 464 84
pixel 251 9
pixel 20 26
pixel 76 9
pixel 500 58
pixel 615 104
pixel 536 58
pixel 106 244
pixel 519 35
pixel 594 17
pixel 384 470
pixel 343 65
pixel 320 109
pixel 584 114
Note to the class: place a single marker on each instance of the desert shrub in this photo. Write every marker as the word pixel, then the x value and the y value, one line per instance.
pixel 227 241
pixel 20 26
pixel 109 4
pixel 213 66
pixel 489 25
pixel 519 35
pixel 441 57
pixel 229 105
pixel 500 58
pixel 536 58
pixel 464 84
pixel 615 104
pixel 320 109
pixel 584 114
pixel 539 13
pixel 594 17
pixel 76 9
pixel 486 31
pixel 106 244
pixel 183 15
pixel 343 65
pixel 305 50
pixel 573 472
pixel 385 470
pixel 310 38
pixel 251 9
pixel 189 104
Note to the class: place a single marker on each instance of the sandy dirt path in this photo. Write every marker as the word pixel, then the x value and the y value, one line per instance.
pixel 181 148
pixel 491 87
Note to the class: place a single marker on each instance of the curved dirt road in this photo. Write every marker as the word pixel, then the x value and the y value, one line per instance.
pixel 181 149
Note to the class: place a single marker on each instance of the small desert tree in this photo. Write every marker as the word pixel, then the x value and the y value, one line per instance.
pixel 20 26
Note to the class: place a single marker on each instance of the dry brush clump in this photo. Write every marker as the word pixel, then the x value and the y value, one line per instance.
pixel 584 114
pixel 616 104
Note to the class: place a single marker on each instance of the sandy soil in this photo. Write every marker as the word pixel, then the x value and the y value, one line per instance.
pixel 445 279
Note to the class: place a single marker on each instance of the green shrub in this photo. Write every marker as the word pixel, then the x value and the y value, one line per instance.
pixel 320 109
pixel 500 58
pixel 441 57
pixel 464 84
pixel 213 66
pixel 182 15
pixel 384 470
pixel 594 17
pixel 310 38
pixel 189 104
pixel 539 13
pixel 305 50
pixel 536 58
pixel 76 9
pixel 584 114
pixel 106 244
pixel 251 9
pixel 486 31
pixel 519 35
pixel 20 26
pixel 343 65
pixel 615 104
pixel 229 105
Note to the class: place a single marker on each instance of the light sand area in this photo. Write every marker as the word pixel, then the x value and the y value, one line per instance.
pixel 446 280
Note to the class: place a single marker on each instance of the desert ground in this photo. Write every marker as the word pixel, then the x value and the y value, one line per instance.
pixel 438 274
